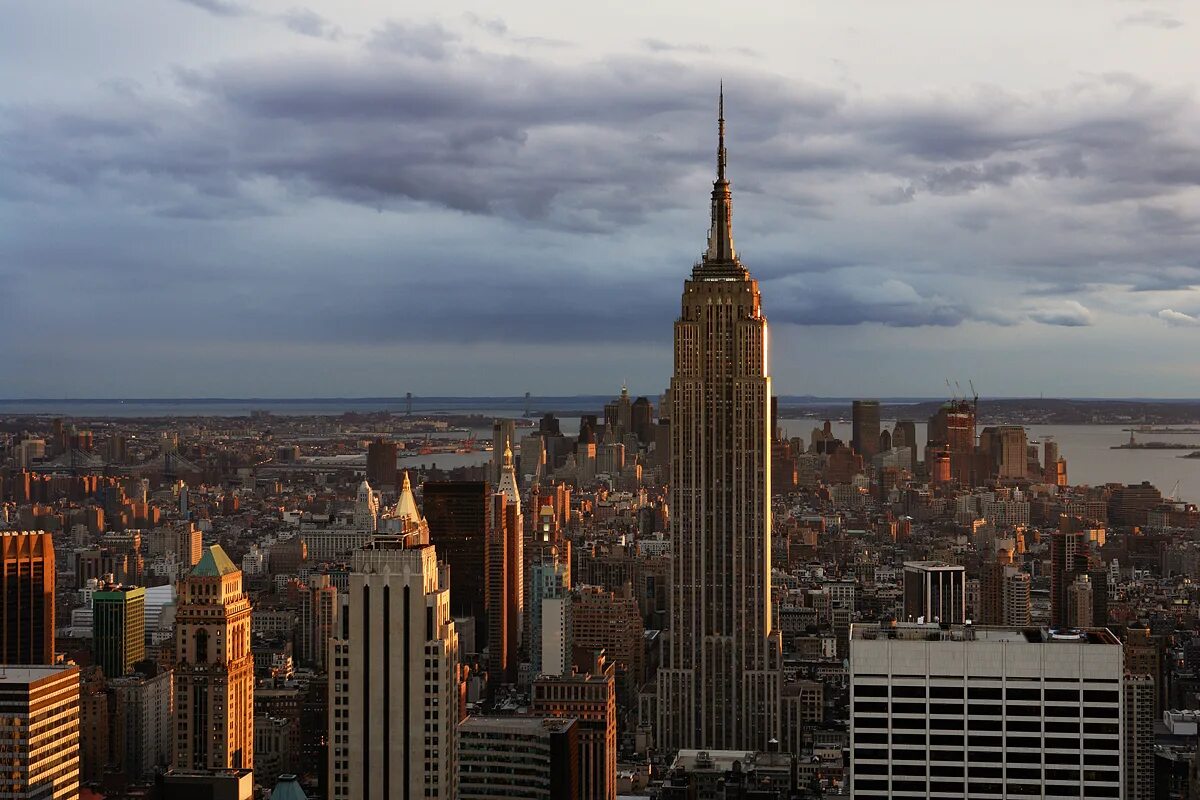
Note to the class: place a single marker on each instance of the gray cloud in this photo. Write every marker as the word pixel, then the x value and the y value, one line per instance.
pixel 221 8
pixel 1178 319
pixel 577 195
pixel 1152 18
pixel 1066 314
pixel 307 22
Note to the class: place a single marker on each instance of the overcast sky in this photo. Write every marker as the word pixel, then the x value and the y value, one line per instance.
pixel 228 198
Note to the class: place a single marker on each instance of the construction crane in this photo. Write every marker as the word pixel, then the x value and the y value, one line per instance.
pixel 1174 495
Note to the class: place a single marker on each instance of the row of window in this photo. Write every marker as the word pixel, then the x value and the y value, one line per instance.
pixel 1048 694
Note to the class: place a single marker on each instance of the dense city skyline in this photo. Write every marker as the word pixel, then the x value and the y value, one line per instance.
pixel 266 200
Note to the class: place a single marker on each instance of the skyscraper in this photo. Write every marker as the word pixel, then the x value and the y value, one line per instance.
pixel 954 426
pixel 591 699
pixel 505 589
pixel 458 514
pixel 26 598
pixel 40 733
pixel 214 671
pixel 381 464
pixel 720 688
pixel 864 431
pixel 394 704
pixel 119 628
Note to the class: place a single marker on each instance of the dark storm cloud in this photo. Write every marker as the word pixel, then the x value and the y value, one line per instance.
pixel 528 152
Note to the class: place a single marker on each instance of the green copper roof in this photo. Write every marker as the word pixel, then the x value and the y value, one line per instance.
pixel 288 789
pixel 214 563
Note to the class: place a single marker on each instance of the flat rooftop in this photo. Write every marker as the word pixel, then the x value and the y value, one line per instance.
pixel 32 673
pixel 935 632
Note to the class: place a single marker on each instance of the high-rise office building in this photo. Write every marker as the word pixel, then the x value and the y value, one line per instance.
pixel 641 417
pixel 214 668
pixel 904 434
pixel 864 431
pixel 394 705
pixel 1068 560
pixel 1139 719
pixel 982 711
pixel 548 578
pixel 518 758
pixel 1004 451
pixel 953 425
pixel 591 699
pixel 935 592
pixel 1144 656
pixel 119 628
pixel 1004 593
pixel 40 732
pixel 318 614
pixel 26 598
pixel 1079 603
pixel 459 518
pixel 505 589
pixel 720 685
pixel 381 464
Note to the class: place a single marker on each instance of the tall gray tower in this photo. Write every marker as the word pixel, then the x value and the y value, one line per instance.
pixel 721 685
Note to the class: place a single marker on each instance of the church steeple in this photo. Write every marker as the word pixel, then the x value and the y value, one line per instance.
pixel 721 251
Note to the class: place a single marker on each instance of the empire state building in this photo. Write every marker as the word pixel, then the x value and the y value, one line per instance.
pixel 721 685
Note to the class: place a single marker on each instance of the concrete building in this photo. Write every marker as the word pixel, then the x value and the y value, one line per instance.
pixel 119 628
pixel 720 683
pixel 518 758
pixel 935 592
pixel 40 732
pixel 591 699
pixel 980 711
pixel 556 645
pixel 394 688
pixel 26 597
pixel 141 712
pixel 610 622
pixel 214 669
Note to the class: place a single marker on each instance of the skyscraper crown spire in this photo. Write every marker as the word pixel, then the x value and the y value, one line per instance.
pixel 721 133
pixel 720 260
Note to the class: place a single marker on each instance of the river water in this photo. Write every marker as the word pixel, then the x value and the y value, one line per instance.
pixel 1087 449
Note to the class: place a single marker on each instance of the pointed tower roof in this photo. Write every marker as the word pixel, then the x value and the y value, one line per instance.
pixel 720 259
pixel 406 504
pixel 213 563
pixel 508 479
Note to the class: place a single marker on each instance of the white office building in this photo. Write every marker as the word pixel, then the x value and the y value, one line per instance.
pixel 982 712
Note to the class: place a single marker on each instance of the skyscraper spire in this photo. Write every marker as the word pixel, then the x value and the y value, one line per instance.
pixel 721 133
pixel 720 236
